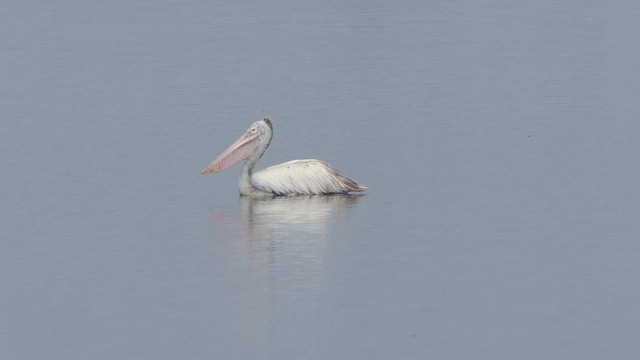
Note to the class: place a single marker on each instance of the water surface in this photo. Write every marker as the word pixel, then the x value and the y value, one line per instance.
pixel 498 142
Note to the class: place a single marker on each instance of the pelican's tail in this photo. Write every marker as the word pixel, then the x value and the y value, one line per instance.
pixel 350 184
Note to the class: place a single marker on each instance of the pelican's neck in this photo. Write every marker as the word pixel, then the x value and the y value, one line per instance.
pixel 244 184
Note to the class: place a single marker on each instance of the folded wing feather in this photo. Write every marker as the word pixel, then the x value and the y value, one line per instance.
pixel 303 177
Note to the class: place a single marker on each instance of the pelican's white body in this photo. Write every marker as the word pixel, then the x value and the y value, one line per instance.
pixel 297 177
pixel 301 177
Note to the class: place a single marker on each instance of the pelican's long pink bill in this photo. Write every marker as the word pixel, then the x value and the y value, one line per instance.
pixel 238 151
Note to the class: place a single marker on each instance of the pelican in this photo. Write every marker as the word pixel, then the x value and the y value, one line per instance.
pixel 296 177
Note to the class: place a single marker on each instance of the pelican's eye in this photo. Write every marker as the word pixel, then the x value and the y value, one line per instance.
pixel 253 130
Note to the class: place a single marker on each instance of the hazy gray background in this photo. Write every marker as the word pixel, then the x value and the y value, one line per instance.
pixel 499 141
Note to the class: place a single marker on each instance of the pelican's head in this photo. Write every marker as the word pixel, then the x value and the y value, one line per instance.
pixel 250 146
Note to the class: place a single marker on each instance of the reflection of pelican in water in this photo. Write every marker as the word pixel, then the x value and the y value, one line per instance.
pixel 291 240
pixel 287 246
pixel 302 215
pixel 285 227
pixel 297 177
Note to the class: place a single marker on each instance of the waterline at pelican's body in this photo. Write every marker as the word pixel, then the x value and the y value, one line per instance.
pixel 297 177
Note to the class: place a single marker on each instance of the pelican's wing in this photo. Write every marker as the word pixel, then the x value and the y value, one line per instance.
pixel 303 177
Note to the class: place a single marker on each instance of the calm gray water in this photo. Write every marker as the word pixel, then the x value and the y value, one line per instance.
pixel 499 141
